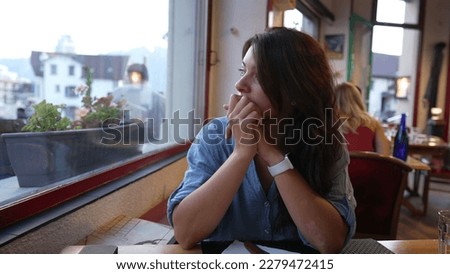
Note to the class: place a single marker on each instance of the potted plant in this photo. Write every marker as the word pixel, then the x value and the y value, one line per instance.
pixel 52 147
pixel 7 126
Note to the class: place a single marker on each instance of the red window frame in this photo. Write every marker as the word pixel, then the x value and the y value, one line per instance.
pixel 35 204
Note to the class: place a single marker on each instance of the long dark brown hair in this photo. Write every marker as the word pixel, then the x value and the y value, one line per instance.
pixel 294 73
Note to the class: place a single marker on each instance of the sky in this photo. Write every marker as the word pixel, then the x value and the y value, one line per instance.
pixel 103 26
pixel 95 26
pixel 389 40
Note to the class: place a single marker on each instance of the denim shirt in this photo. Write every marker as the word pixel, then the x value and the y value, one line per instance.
pixel 252 213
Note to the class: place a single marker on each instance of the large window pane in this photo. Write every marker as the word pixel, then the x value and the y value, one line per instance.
pixel 140 57
pixel 398 11
pixel 302 22
pixel 395 51
pixel 387 40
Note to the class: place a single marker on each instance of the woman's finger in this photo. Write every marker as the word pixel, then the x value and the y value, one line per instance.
pixel 234 99
pixel 247 117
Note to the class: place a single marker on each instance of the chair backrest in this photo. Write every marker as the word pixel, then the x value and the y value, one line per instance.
pixel 379 183
pixel 361 140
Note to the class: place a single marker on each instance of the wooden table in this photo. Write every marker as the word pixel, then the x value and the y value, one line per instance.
pixel 141 249
pixel 420 169
pixel 432 147
pixel 417 164
pixel 396 246
pixel 412 246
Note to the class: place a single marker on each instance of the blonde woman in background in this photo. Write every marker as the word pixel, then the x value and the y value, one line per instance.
pixel 362 131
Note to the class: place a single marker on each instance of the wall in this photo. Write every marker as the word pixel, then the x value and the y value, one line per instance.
pixel 437 29
pixel 234 21
pixel 132 200
pixel 340 25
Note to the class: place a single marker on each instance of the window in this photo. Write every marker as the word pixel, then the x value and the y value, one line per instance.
pixel 71 70
pixel 302 19
pixel 395 51
pixel 70 91
pixel 398 11
pixel 146 57
pixel 53 69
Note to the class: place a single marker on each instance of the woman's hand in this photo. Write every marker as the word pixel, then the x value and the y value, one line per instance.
pixel 197 215
pixel 244 123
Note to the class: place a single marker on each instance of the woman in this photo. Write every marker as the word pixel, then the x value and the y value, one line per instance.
pixel 362 131
pixel 274 169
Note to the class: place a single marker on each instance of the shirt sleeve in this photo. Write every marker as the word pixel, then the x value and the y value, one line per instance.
pixel 341 195
pixel 204 157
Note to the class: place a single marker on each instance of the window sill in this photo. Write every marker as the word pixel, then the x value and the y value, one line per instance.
pixel 36 209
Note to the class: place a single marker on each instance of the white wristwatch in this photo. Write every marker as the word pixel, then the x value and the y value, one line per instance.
pixel 280 167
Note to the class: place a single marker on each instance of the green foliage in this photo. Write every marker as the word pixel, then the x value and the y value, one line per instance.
pixel 87 99
pixel 102 109
pixel 47 117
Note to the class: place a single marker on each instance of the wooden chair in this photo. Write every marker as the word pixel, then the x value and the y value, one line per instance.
pixel 379 183
pixel 443 174
pixel 439 175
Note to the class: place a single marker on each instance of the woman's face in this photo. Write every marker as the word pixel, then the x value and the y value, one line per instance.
pixel 249 85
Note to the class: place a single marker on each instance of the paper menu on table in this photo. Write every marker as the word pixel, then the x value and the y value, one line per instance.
pixel 238 247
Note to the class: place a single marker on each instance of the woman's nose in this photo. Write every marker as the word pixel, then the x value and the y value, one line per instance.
pixel 241 86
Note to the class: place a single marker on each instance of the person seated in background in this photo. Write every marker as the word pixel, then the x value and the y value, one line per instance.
pixel 362 131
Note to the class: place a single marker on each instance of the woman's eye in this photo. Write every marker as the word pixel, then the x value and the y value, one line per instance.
pixel 241 71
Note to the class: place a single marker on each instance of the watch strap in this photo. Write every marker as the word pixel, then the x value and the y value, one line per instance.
pixel 280 167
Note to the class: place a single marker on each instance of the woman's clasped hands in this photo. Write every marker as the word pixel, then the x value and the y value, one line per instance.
pixel 244 121
pixel 245 125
